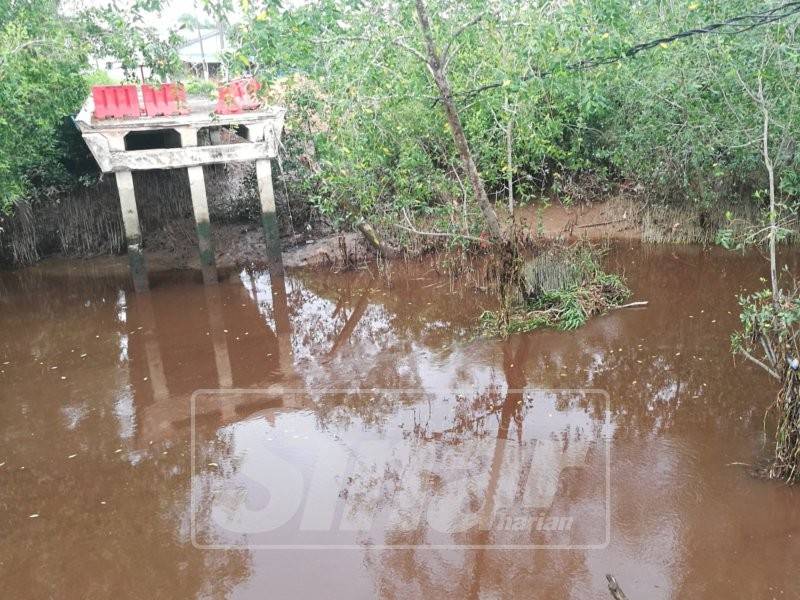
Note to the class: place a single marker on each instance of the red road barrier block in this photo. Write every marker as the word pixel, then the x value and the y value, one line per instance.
pixel 226 101
pixel 248 92
pixel 238 95
pixel 115 101
pixel 168 100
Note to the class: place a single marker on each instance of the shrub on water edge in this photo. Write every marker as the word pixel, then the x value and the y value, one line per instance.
pixel 562 288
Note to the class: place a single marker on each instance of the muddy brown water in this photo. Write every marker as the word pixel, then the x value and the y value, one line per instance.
pixel 340 436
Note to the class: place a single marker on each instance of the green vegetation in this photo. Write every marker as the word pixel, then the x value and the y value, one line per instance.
pixel 41 84
pixel 677 119
pixel 562 288
pixel 45 74
pixel 768 338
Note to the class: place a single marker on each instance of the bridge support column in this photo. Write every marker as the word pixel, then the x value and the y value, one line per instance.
pixel 133 232
pixel 197 186
pixel 269 219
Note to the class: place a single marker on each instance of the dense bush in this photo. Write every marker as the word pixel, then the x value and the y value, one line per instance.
pixel 42 81
pixel 678 118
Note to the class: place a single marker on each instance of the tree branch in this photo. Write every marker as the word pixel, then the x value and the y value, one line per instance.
pixel 753 359
pixel 442 234
pixel 416 53
pixel 458 32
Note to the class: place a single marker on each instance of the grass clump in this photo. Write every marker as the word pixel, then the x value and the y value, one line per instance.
pixel 561 288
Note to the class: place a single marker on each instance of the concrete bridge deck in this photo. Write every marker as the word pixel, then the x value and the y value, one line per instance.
pixel 185 141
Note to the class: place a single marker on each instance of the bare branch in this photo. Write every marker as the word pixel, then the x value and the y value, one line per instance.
pixel 458 32
pixel 441 234
pixel 416 53
pixel 761 364
pixel 28 44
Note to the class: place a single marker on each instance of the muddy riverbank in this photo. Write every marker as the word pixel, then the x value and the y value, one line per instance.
pixel 88 225
pixel 538 463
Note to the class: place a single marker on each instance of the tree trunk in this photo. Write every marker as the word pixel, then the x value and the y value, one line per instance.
pixel 202 53
pixel 510 162
pixel 773 225
pixel 375 241
pixel 446 95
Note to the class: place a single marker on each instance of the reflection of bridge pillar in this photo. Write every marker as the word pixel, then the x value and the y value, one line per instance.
pixel 221 356
pixel 269 220
pixel 152 351
pixel 133 232
pixel 283 327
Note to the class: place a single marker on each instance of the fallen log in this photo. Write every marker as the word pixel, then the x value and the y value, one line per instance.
pixel 613 587
pixel 638 304
pixel 601 223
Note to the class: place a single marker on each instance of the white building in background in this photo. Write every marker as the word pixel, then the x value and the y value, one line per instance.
pixel 209 43
pixel 191 54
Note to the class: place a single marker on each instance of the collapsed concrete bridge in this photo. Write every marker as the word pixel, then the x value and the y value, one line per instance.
pixel 193 137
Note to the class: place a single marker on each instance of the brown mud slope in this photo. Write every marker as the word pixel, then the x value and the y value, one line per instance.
pixel 243 244
pixel 237 245
pixel 612 219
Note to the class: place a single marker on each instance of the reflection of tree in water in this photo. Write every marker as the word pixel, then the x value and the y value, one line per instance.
pixel 667 369
pixel 474 573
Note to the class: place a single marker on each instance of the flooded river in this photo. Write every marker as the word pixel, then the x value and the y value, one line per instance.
pixel 325 435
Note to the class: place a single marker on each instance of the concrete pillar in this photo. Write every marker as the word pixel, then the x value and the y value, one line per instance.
pixel 269 219
pixel 133 233
pixel 188 136
pixel 197 187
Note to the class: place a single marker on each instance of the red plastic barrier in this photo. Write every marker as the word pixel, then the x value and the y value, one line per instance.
pixel 168 100
pixel 226 102
pixel 248 92
pixel 115 101
pixel 238 95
